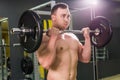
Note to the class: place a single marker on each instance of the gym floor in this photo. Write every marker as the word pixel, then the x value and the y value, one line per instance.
pixel 114 77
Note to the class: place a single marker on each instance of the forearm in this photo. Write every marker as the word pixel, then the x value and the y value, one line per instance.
pixel 86 53
pixel 49 46
pixel 51 43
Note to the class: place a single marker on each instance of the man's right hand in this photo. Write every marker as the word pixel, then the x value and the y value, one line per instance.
pixel 53 32
pixel 86 32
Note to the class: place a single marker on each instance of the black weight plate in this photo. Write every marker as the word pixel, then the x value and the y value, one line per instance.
pixel 27 65
pixel 31 40
pixel 105 34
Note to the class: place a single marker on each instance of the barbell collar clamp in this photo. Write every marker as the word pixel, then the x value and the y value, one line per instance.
pixel 20 31
pixel 15 31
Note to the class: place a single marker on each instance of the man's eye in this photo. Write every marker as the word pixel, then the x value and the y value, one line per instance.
pixel 68 16
pixel 63 15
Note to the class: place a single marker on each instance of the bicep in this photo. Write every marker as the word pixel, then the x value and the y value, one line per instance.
pixel 80 50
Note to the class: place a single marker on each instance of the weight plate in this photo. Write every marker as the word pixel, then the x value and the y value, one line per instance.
pixel 27 65
pixel 104 26
pixel 31 37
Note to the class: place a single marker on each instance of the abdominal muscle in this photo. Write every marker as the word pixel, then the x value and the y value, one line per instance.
pixel 64 68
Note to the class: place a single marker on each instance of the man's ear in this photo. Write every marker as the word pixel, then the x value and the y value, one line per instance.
pixel 53 17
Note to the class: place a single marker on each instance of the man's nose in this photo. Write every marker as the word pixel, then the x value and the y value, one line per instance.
pixel 66 19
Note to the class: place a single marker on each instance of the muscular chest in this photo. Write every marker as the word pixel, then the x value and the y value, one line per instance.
pixel 63 43
pixel 66 43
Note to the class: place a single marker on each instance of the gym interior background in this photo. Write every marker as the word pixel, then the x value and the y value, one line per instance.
pixel 108 57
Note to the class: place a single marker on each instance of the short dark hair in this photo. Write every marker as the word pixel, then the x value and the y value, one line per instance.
pixel 58 5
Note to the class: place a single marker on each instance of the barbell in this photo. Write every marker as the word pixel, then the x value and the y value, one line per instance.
pixel 27 65
pixel 30 31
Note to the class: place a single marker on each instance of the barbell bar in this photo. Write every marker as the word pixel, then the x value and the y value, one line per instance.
pixel 30 31
pixel 24 31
